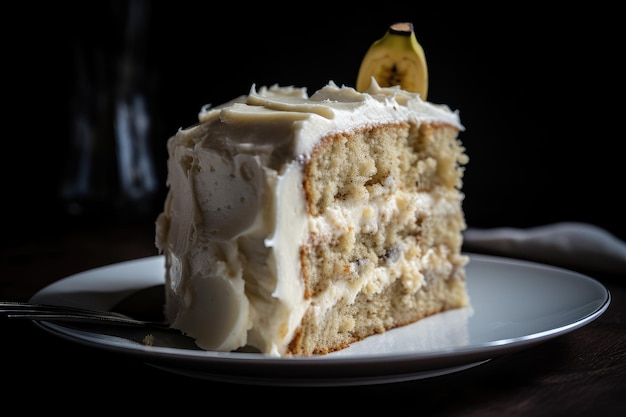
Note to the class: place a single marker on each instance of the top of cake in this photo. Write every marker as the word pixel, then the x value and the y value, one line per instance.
pixel 330 108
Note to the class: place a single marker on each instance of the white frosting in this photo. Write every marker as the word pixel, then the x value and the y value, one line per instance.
pixel 234 217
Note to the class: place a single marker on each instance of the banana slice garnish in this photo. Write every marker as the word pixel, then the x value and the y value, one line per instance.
pixel 395 59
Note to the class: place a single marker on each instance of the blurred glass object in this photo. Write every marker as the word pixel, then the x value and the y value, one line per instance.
pixel 110 167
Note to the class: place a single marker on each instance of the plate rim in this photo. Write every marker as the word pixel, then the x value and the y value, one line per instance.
pixel 314 370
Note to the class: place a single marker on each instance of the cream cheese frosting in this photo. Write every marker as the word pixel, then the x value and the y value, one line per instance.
pixel 235 215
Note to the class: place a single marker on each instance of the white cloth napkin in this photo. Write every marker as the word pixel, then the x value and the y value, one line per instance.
pixel 571 245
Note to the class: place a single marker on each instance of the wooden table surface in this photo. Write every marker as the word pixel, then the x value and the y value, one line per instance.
pixel 582 373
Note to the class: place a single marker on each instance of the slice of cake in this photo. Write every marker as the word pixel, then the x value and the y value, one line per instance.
pixel 298 225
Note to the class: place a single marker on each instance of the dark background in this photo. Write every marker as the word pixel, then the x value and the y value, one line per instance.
pixel 538 92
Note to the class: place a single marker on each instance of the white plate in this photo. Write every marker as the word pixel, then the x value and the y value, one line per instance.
pixel 515 305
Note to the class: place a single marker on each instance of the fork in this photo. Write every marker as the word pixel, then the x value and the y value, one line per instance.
pixel 33 311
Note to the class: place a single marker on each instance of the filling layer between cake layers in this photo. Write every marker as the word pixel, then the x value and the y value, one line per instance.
pixel 299 225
